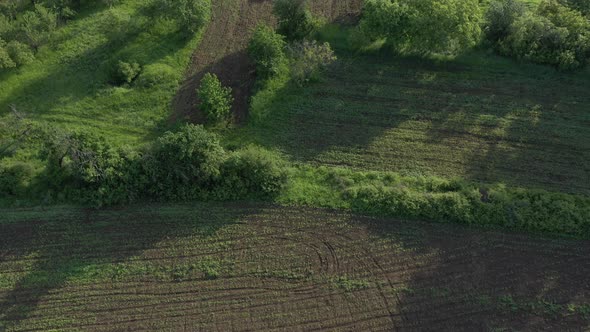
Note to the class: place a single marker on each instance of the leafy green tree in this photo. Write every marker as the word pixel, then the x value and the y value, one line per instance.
pixel 191 14
pixel 126 72
pixel 308 59
pixel 295 19
pixel 34 27
pixel 5 59
pixel 20 53
pixel 216 100
pixel 423 26
pixel 500 16
pixel 266 48
pixel 184 164
pixel 555 35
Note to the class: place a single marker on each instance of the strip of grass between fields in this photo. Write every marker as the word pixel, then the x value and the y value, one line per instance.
pixel 440 200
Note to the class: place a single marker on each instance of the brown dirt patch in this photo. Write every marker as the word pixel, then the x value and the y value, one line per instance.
pixel 284 269
pixel 223 50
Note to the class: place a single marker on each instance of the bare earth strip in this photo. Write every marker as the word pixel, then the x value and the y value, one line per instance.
pixel 223 50
pixel 276 268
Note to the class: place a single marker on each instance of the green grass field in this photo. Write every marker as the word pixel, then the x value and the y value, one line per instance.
pixel 69 84
pixel 479 117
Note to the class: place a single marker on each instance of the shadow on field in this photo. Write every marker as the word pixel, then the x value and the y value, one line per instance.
pixel 479 117
pixel 462 279
pixel 77 242
pixel 75 77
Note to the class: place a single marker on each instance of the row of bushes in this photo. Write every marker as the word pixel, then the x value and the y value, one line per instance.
pixel 556 33
pixel 553 34
pixel 440 200
pixel 188 164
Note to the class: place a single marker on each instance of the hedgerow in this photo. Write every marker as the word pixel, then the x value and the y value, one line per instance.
pixel 440 200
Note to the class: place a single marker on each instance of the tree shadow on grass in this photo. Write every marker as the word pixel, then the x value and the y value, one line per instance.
pixel 480 117
pixel 71 81
pixel 71 243
pixel 462 279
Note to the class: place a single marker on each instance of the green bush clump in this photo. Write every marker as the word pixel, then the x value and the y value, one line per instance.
pixel 20 53
pixel 157 75
pixel 185 164
pixel 15 179
pixel 423 26
pixel 126 72
pixel 295 19
pixel 267 49
pixel 554 34
pixel 215 99
pixel 5 59
pixel 192 15
pixel 308 59
pixel 252 172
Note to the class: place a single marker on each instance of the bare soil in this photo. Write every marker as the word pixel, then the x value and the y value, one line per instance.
pixel 288 269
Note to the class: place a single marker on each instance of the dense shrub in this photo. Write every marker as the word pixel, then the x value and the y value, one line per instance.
pixel 423 26
pixel 34 27
pixel 582 5
pixel 192 15
pixel 84 168
pixel 266 49
pixel 295 19
pixel 215 99
pixel 252 172
pixel 5 59
pixel 500 16
pixel 20 53
pixel 554 34
pixel 185 164
pixel 157 74
pixel 14 179
pixel 126 72
pixel 308 58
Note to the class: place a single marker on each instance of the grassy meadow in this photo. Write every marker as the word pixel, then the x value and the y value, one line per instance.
pixel 69 84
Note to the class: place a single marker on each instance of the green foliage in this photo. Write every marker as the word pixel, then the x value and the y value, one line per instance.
pixel 215 99
pixel 126 72
pixel 295 19
pixel 34 27
pixel 157 75
pixel 192 15
pixel 20 53
pixel 308 58
pixel 84 168
pixel 423 26
pixel 554 34
pixel 253 172
pixel 500 16
pixel 15 179
pixel 5 58
pixel 582 5
pixel 266 49
pixel 185 164
pixel 434 199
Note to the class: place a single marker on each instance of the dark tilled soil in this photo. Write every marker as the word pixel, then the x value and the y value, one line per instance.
pixel 289 269
pixel 223 50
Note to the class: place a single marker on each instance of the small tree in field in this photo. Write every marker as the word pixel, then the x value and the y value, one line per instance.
pixel 266 48
pixel 295 20
pixel 215 99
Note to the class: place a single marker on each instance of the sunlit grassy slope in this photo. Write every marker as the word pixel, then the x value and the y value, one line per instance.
pixel 69 83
